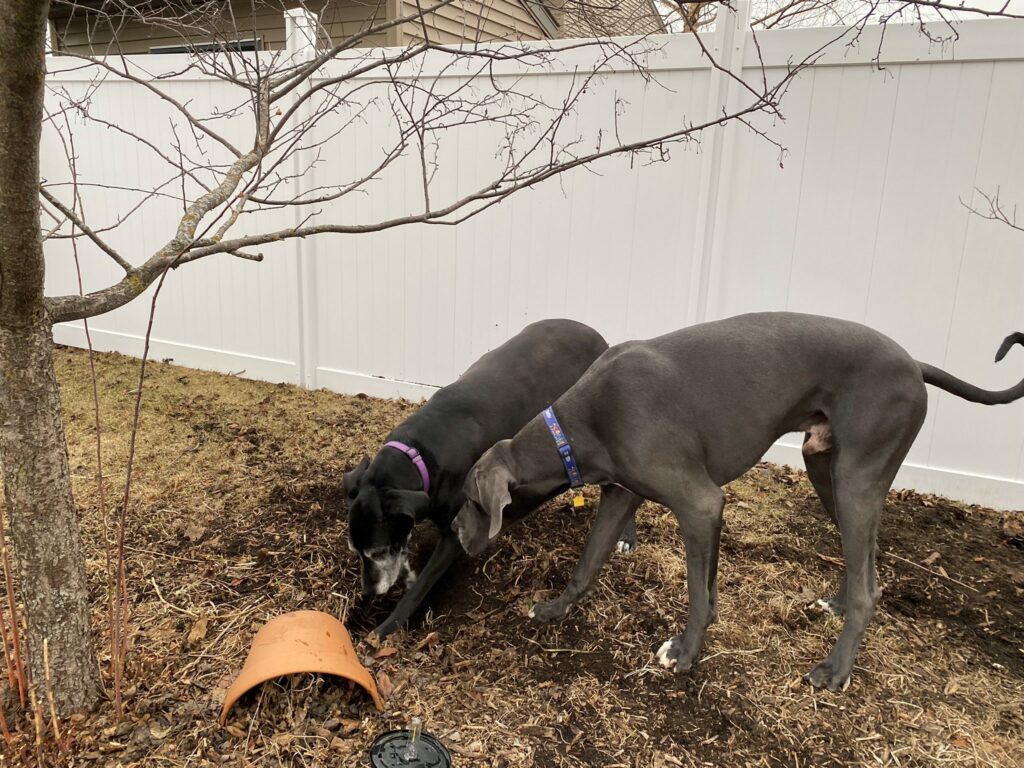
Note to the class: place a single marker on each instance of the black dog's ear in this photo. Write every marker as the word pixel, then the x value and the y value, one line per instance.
pixel 351 478
pixel 411 503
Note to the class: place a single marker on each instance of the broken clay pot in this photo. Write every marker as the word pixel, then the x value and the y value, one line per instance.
pixel 300 641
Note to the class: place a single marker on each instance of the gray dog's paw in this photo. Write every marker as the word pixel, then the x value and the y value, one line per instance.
pixel 551 610
pixel 671 656
pixel 625 547
pixel 667 655
pixel 825 676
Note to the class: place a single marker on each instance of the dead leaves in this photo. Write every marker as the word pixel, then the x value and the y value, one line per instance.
pixel 427 642
pixel 384 686
pixel 198 632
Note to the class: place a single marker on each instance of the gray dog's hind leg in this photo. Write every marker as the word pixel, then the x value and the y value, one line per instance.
pixel 863 469
pixel 859 501
pixel 819 471
pixel 627 539
pixel 617 505
pixel 700 519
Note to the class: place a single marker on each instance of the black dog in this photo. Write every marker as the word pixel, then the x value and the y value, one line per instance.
pixel 420 472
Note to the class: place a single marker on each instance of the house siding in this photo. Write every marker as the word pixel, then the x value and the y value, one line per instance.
pixel 472 21
pixel 91 34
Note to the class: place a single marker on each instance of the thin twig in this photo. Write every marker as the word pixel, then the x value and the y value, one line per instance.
pixel 112 628
pixel 160 597
pixel 122 581
pixel 558 650
pixel 37 721
pixel 8 661
pixel 5 729
pixel 12 605
pixel 933 573
pixel 49 691
pixel 77 221
pixel 996 211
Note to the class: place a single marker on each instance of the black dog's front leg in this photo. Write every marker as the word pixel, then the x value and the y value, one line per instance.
pixel 444 554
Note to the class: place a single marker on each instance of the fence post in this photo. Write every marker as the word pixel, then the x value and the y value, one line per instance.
pixel 300 42
pixel 300 28
pixel 728 44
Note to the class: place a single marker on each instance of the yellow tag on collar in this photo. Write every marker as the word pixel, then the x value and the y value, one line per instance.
pixel 578 501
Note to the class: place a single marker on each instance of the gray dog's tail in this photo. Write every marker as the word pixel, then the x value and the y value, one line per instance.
pixel 953 385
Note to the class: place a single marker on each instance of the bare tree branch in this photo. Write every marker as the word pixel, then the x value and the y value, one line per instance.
pixel 995 210
pixel 103 246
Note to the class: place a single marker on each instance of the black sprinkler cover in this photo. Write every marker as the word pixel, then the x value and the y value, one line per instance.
pixel 391 750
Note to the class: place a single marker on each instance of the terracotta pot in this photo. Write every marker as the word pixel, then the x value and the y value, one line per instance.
pixel 300 641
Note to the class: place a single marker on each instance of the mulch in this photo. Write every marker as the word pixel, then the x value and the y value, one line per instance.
pixel 238 515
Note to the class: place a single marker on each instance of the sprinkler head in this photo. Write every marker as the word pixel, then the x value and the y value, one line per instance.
pixel 412 748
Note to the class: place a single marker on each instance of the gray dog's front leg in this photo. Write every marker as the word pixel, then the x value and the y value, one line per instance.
pixel 627 539
pixel 617 506
pixel 700 519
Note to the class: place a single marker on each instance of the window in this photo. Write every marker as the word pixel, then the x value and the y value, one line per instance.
pixel 543 17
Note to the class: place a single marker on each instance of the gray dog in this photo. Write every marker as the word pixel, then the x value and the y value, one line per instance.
pixel 674 418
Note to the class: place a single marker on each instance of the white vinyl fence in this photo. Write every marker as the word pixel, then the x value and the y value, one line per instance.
pixel 862 218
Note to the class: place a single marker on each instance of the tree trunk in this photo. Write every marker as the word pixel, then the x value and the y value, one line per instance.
pixel 37 483
pixel 44 525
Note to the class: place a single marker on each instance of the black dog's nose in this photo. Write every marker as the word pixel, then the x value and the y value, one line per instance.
pixel 368 588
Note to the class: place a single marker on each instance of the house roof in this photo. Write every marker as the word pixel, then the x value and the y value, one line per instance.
pixel 63 10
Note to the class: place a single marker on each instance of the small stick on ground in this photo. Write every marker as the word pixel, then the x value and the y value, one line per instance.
pixel 49 692
pixel 9 581
pixel 933 573
pixel 37 721
pixel 8 739
pixel 558 650
pixel 8 661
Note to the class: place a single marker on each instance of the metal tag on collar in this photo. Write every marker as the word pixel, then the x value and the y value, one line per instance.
pixel 578 502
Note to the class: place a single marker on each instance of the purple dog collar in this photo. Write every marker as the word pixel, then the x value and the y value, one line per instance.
pixel 415 458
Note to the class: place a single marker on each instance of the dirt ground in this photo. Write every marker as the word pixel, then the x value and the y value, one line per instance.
pixel 238 515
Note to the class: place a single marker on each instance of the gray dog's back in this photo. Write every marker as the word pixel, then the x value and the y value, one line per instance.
pixel 731 387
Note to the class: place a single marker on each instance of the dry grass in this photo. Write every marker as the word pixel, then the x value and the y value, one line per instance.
pixel 239 516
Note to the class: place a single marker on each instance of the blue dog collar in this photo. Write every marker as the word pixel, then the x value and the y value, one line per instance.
pixel 564 449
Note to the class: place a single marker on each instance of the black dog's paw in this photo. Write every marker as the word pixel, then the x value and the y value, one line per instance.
pixel 826 676
pixel 552 610
pixel 832 605
pixel 388 627
pixel 671 656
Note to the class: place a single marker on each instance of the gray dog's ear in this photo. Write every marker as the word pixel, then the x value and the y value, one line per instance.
pixel 351 478
pixel 495 494
pixel 489 490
